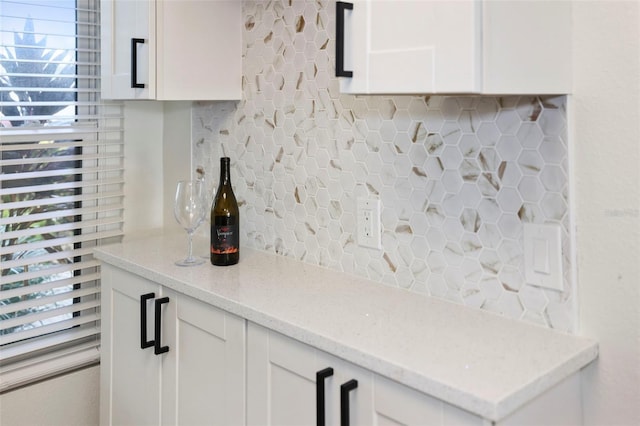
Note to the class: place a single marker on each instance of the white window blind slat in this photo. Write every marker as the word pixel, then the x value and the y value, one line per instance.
pixel 60 117
pixel 74 143
pixel 67 282
pixel 44 258
pixel 58 47
pixel 48 299
pixel 61 104
pixel 36 160
pixel 98 211
pixel 77 131
pixel 47 90
pixel 53 271
pixel 61 200
pixel 78 239
pixel 59 326
pixel 61 172
pixel 62 228
pixel 61 186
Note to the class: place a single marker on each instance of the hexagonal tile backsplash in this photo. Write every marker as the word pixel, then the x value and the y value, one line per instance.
pixel 457 176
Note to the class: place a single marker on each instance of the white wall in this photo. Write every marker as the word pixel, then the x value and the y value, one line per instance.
pixel 66 400
pixel 143 127
pixel 157 155
pixel 606 154
pixel 176 157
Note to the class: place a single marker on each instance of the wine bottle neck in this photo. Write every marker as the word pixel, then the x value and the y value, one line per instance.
pixel 225 173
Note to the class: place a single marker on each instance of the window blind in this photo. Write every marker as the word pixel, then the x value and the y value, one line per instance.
pixel 61 185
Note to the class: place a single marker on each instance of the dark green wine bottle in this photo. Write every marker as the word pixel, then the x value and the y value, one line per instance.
pixel 225 221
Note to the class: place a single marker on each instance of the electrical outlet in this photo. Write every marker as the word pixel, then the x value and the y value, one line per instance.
pixel 368 223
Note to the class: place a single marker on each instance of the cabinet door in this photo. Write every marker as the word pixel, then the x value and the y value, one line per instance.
pixel 462 46
pixel 404 46
pixel 204 376
pixel 396 404
pixel 526 47
pixel 282 387
pixel 130 376
pixel 122 21
pixel 192 49
pixel 355 384
pixel 281 375
pixel 199 50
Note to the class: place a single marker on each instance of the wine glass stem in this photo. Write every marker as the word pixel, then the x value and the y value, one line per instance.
pixel 190 245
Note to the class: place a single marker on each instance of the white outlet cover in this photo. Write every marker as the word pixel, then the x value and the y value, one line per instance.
pixel 543 255
pixel 368 223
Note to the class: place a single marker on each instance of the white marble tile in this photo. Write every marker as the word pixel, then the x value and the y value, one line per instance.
pixel 460 172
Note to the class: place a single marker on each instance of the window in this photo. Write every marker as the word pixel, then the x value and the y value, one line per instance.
pixel 61 186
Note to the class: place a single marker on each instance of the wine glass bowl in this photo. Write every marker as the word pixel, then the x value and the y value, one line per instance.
pixel 190 209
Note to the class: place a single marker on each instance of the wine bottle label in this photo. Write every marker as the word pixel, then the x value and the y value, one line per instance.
pixel 225 238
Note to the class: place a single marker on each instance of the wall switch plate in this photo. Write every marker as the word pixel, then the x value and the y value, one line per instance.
pixel 543 255
pixel 368 223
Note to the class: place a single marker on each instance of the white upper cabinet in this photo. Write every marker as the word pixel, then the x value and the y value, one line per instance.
pixel 449 47
pixel 171 49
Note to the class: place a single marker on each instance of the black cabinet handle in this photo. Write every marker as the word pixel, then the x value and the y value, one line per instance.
pixel 320 405
pixel 134 63
pixel 158 348
pixel 144 343
pixel 345 388
pixel 340 8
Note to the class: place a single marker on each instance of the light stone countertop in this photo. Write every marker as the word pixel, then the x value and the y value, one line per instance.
pixel 479 361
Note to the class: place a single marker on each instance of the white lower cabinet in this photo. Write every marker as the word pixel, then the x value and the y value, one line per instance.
pixel 198 380
pixel 283 385
pixel 205 366
pixel 284 389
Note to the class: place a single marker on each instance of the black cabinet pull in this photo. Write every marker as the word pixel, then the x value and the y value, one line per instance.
pixel 320 405
pixel 340 8
pixel 134 63
pixel 158 348
pixel 345 388
pixel 144 343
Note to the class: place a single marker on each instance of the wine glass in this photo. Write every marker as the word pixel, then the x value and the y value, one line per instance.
pixel 190 210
